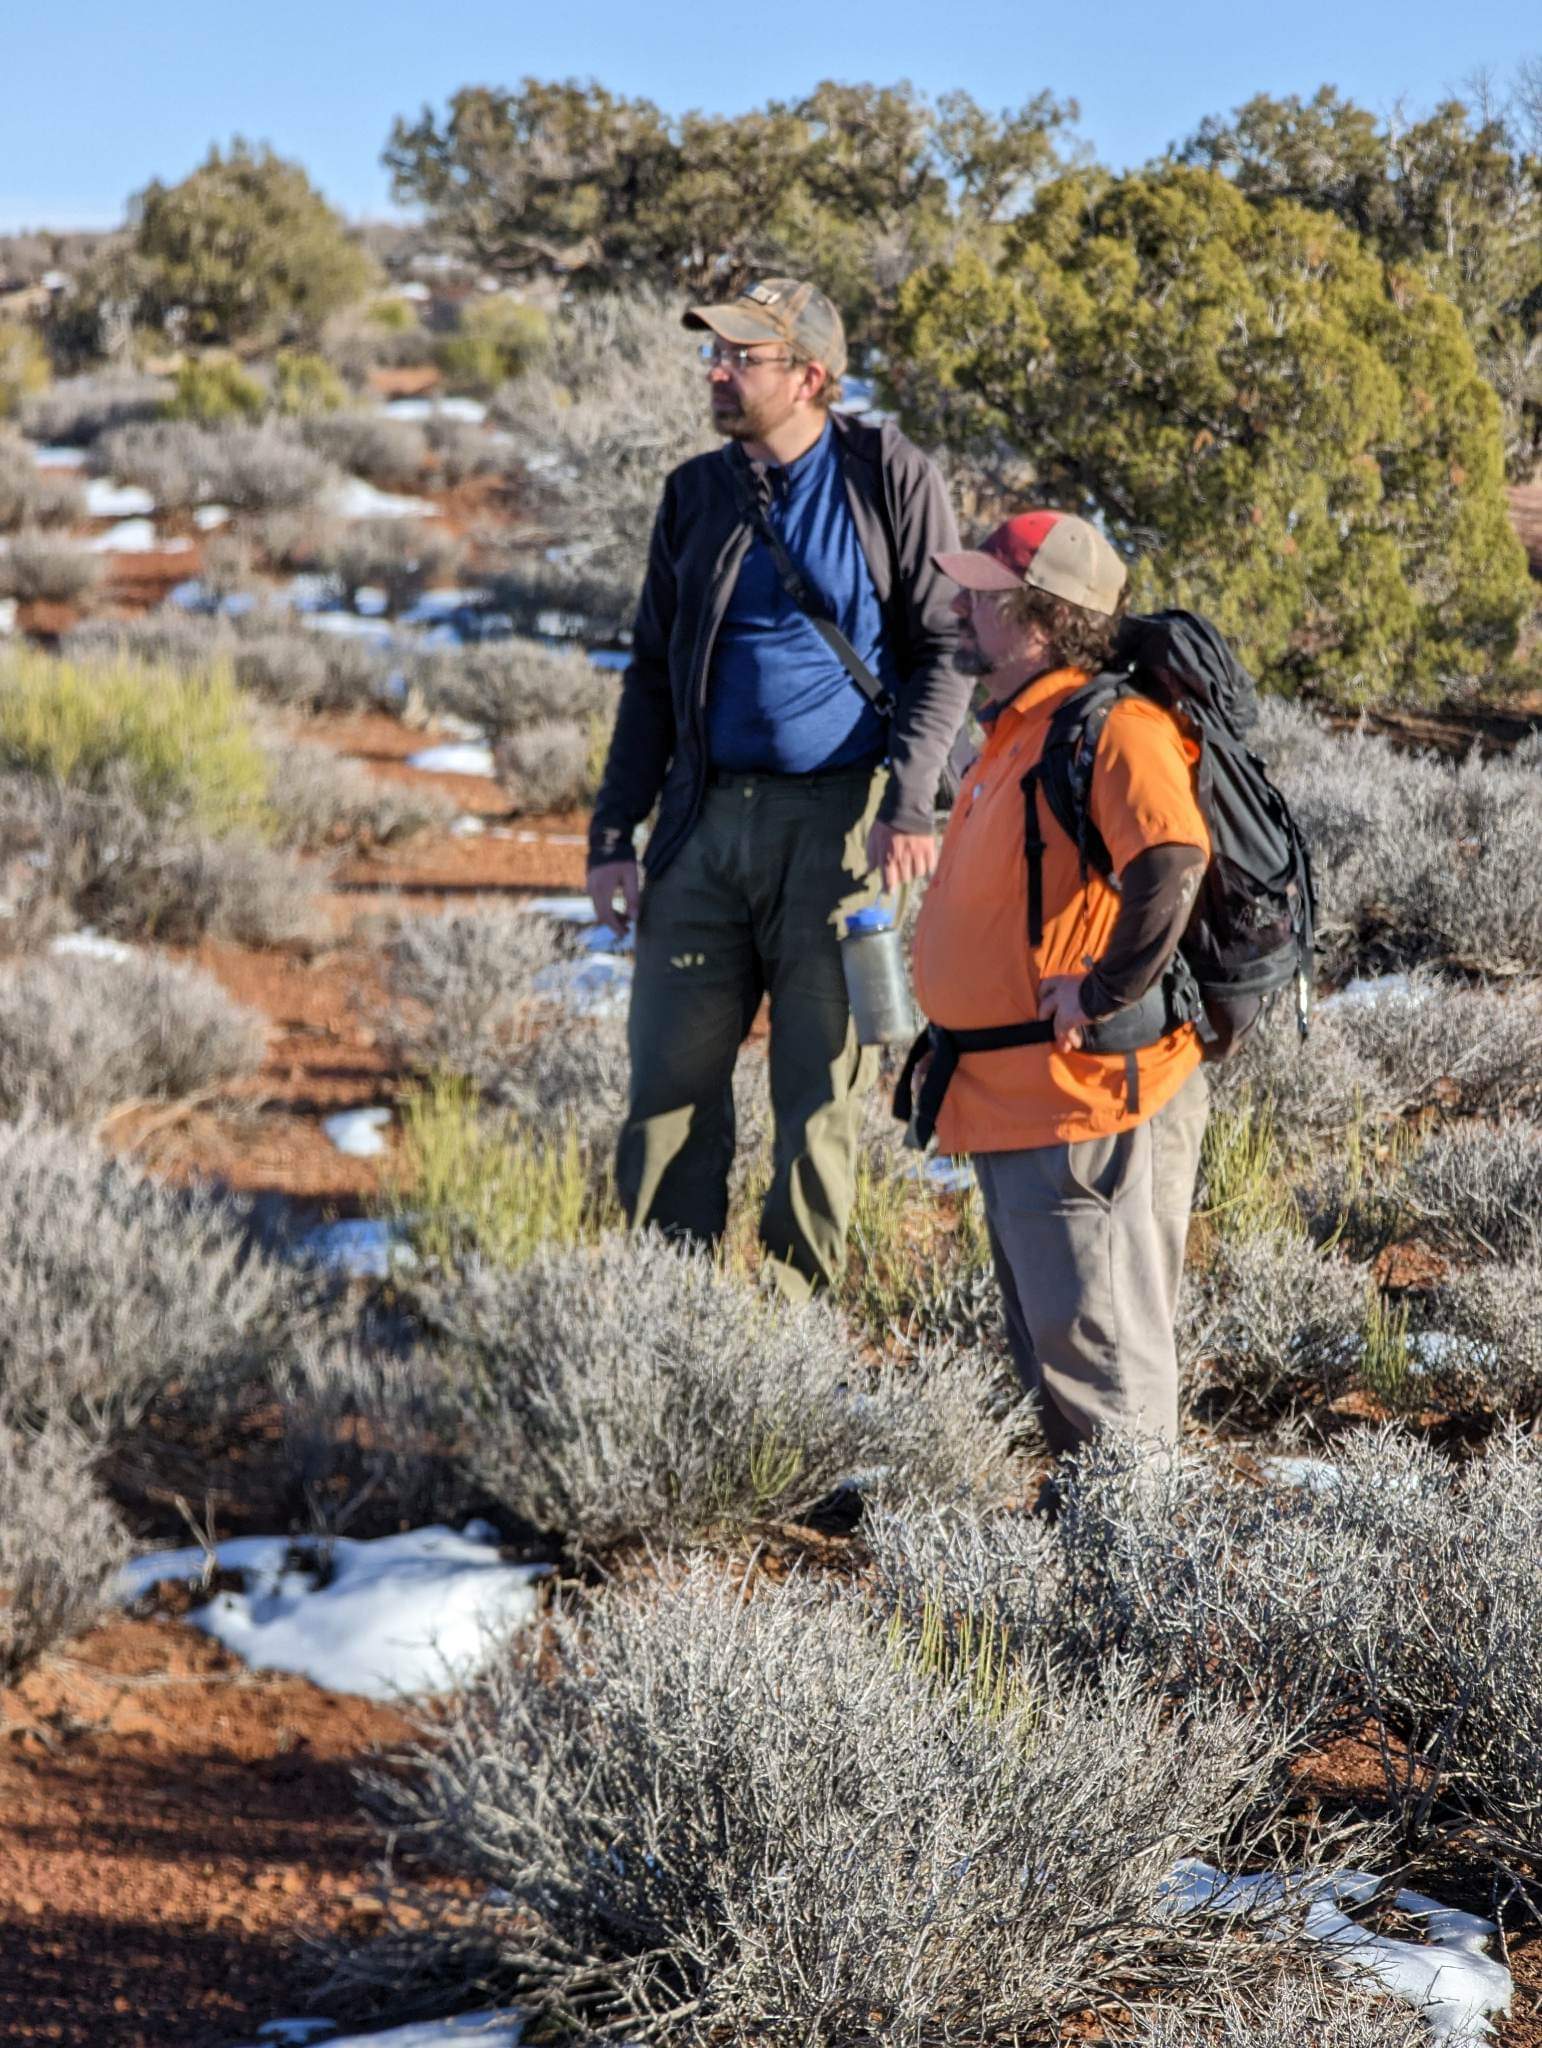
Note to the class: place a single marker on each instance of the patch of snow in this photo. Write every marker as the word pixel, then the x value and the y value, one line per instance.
pixel 434 605
pixel 87 944
pixel 460 728
pixel 356 1248
pixel 135 537
pixel 51 457
pixel 599 938
pixel 413 290
pixel 1448 1980
pixel 371 602
pixel 952 1176
pixel 413 1613
pixel 468 826
pixel 355 498
pixel 555 625
pixel 108 500
pixel 360 1133
pixel 1432 1350
pixel 468 2030
pixel 566 909
pixel 600 986
pixel 7 615
pixel 1365 991
pixel 471 410
pixel 349 626
pixel 207 517
pixel 461 758
pixel 1316 1474
pixel 609 657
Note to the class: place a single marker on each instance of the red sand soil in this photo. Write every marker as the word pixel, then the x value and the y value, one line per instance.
pixel 171 1823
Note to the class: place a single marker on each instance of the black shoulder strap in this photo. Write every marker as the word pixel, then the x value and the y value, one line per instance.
pixel 799 589
pixel 1063 772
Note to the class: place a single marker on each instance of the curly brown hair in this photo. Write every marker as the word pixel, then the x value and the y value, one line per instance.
pixel 1078 638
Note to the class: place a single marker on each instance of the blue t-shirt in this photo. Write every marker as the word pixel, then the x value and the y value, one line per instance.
pixel 778 701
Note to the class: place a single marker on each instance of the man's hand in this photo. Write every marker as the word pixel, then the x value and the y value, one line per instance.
pixel 1060 1004
pixel 610 879
pixel 902 856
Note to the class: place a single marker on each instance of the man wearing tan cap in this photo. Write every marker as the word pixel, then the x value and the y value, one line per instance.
pixel 1085 1105
pixel 791 700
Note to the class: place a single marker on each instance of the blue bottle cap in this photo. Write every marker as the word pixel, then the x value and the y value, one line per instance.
pixel 877 917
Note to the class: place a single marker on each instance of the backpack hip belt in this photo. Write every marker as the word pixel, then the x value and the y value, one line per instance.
pixel 1159 1011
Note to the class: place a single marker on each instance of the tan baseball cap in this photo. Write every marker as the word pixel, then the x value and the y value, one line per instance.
pixel 779 309
pixel 1051 551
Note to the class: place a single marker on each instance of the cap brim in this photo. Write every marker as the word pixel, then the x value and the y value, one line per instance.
pixel 733 323
pixel 976 570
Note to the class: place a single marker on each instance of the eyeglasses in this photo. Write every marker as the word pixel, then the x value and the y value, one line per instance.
pixel 716 357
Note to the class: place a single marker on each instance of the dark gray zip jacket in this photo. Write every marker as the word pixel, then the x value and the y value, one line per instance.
pixel 658 752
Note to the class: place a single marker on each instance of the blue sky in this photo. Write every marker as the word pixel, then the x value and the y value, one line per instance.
pixel 99 97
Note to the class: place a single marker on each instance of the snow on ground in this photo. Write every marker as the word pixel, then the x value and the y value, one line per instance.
pixel 108 500
pixel 360 1133
pixel 7 614
pixel 1448 1980
pixel 414 1613
pixel 600 986
pixel 461 758
pixel 356 1247
pixel 354 498
pixel 470 2030
pixel 207 517
pixel 89 945
pixel 952 1176
pixel 135 537
pixel 471 410
pixel 349 626
pixel 1363 993
pixel 59 458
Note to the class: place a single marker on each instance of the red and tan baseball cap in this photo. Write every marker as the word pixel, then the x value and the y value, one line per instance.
pixel 1051 551
pixel 779 309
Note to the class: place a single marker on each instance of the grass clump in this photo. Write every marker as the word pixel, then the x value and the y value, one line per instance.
pixel 60 1545
pixel 719 1820
pixel 80 1037
pixel 174 742
pixel 1243 1190
pixel 470 1187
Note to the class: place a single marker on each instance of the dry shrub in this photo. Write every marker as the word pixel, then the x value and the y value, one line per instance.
pixel 72 857
pixel 115 1290
pixel 1300 2011
pixel 400 556
pixel 269 653
pixel 463 984
pixel 386 451
pixel 36 568
pixel 79 410
pixel 266 468
pixel 60 1545
pixel 1483 1345
pixel 1477 1188
pixel 732 1821
pixel 547 767
pixel 507 686
pixel 635 1391
pixel 319 798
pixel 79 1037
pixel 1270 1317
pixel 33 497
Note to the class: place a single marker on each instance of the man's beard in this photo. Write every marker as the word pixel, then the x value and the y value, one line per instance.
pixel 968 659
pixel 741 422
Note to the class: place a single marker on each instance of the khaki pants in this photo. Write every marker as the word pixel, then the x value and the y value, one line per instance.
pixel 751 906
pixel 1088 1244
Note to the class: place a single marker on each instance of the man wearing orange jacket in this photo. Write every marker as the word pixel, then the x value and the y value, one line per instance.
pixel 1084 1109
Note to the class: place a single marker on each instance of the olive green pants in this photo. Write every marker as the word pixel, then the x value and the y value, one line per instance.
pixel 751 906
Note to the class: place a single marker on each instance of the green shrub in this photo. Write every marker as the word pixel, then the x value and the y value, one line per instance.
pixel 499 338
pixel 213 392
pixel 469 1186
pixel 175 742
pixel 305 385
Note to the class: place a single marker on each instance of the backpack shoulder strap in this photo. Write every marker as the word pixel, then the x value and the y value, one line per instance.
pixel 1062 775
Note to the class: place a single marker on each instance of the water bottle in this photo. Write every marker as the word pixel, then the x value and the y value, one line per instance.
pixel 874 965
